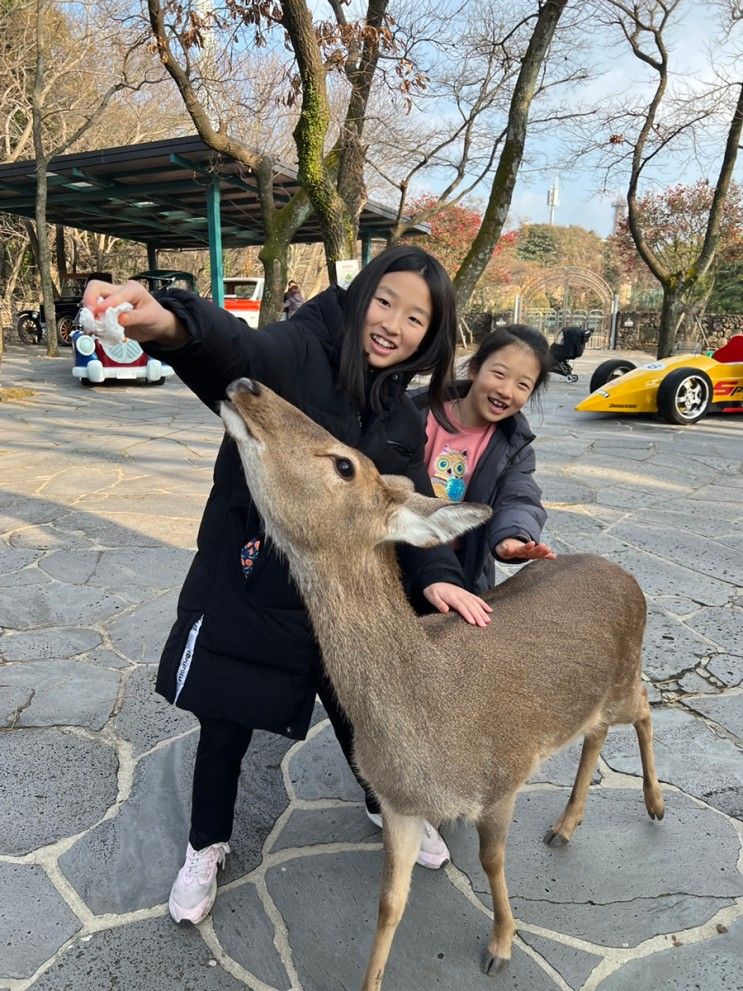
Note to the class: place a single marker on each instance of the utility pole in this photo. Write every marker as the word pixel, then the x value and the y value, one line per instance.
pixel 619 206
pixel 553 199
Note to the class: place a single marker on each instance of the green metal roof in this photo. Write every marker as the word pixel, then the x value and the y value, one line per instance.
pixel 156 193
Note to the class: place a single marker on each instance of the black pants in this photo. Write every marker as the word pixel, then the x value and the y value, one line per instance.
pixel 222 746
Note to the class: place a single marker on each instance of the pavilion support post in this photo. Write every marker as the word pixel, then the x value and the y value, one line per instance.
pixel 214 221
pixel 366 249
pixel 151 256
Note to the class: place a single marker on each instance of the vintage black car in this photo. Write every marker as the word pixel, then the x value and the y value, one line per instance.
pixel 31 324
pixel 166 278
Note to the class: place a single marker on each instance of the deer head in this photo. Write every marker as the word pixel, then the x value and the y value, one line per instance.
pixel 312 490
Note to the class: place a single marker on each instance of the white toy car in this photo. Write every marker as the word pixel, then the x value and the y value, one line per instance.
pixel 96 361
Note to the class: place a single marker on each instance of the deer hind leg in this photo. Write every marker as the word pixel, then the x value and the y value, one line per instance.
pixel 650 786
pixel 402 841
pixel 572 817
pixel 493 829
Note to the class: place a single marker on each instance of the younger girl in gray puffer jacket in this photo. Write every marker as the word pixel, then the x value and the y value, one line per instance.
pixel 489 457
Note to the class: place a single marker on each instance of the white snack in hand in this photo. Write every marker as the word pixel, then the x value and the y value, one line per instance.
pixel 106 328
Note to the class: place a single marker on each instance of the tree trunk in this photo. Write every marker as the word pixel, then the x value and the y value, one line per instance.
pixel 281 226
pixel 273 256
pixel 45 262
pixel 317 174
pixel 42 164
pixel 11 273
pixel 669 317
pixel 60 251
pixel 504 181
pixel 339 239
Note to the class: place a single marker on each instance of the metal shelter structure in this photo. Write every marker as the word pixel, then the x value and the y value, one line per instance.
pixel 176 193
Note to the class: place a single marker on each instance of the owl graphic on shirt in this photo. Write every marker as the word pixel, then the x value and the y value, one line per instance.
pixel 450 469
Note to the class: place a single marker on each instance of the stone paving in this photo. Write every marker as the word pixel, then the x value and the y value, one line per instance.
pixel 100 496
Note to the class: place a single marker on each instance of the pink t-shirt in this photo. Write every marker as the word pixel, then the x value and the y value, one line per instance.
pixel 452 458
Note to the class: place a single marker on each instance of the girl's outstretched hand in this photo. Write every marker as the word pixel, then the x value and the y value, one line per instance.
pixel 513 549
pixel 445 596
pixel 146 321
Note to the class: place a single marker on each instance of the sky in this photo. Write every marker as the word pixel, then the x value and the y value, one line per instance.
pixel 616 71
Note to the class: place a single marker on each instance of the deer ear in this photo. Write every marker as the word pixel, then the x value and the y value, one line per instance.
pixel 425 521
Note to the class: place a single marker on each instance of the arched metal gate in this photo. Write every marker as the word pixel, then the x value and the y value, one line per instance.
pixel 562 286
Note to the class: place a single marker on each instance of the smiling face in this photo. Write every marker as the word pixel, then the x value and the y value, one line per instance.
pixel 398 318
pixel 500 388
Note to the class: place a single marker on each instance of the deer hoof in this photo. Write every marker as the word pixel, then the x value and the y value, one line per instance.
pixel 654 804
pixel 554 839
pixel 490 965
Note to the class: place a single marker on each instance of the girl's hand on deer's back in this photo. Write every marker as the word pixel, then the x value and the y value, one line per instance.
pixel 445 596
pixel 146 321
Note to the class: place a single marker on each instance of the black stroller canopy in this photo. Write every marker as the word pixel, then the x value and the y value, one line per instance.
pixel 572 345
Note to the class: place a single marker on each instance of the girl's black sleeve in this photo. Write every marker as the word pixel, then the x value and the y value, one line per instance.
pixel 221 348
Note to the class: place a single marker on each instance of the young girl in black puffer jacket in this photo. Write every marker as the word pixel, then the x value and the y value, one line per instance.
pixel 242 654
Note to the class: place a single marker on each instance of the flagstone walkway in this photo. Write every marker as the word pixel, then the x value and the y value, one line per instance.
pixel 101 491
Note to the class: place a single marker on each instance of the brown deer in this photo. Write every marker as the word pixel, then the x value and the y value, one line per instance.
pixel 450 719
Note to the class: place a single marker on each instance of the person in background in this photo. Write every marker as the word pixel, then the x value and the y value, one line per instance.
pixel 293 299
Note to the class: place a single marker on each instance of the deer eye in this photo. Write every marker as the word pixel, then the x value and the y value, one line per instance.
pixel 345 468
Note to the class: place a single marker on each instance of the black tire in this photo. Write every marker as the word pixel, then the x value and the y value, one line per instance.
pixel 684 396
pixel 28 329
pixel 65 326
pixel 609 370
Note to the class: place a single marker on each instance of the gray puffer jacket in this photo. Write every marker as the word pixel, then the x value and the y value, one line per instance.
pixel 504 479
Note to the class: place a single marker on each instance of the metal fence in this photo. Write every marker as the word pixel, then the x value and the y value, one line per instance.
pixel 551 321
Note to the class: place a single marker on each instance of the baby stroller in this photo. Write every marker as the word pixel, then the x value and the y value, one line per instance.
pixel 569 343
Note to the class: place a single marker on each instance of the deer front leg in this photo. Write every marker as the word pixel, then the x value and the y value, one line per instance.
pixel 402 841
pixel 572 817
pixel 493 828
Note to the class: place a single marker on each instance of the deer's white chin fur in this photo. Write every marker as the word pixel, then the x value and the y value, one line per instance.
pixel 250 449
pixel 236 428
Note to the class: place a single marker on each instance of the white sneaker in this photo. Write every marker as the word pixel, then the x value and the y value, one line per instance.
pixel 433 854
pixel 195 887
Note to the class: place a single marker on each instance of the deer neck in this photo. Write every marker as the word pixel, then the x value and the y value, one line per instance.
pixel 371 639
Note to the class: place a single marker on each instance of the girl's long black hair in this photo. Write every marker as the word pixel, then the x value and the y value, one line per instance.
pixel 436 351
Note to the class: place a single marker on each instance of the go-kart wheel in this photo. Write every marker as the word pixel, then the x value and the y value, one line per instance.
pixel 28 329
pixel 65 326
pixel 571 378
pixel 609 370
pixel 684 395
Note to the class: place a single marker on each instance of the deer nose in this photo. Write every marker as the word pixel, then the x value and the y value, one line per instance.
pixel 242 386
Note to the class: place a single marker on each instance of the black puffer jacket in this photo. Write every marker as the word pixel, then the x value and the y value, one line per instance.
pixel 254 659
pixel 504 479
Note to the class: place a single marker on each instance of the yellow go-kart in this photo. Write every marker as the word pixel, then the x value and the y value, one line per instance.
pixel 681 389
